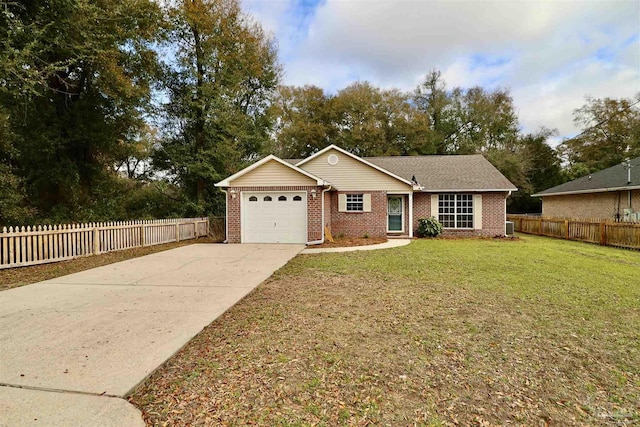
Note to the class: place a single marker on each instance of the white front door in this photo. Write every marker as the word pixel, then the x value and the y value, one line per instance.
pixel 274 217
pixel 395 222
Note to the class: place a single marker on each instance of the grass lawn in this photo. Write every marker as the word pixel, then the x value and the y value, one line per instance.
pixel 20 276
pixel 533 331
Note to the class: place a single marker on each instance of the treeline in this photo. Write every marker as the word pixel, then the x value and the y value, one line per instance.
pixel 134 109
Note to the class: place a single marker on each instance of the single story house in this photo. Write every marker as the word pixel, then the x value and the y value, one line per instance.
pixel 292 201
pixel 612 193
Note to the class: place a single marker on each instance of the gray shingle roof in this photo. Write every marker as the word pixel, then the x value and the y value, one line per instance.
pixel 446 173
pixel 443 173
pixel 608 179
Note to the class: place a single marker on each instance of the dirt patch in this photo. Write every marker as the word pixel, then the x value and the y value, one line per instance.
pixel 342 242
pixel 20 276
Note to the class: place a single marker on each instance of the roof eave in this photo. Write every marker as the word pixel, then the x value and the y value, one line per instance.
pixel 589 191
pixel 473 190
pixel 227 181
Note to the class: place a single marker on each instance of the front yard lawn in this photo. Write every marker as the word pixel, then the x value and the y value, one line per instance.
pixel 533 331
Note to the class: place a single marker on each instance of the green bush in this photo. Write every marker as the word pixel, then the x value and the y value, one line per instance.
pixel 429 227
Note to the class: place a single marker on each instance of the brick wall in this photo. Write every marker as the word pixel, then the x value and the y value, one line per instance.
pixel 357 224
pixel 493 214
pixel 592 206
pixel 314 211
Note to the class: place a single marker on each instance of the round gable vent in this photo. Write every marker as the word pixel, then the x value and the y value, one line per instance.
pixel 332 159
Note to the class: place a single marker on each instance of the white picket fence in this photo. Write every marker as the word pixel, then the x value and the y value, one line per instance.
pixel 22 246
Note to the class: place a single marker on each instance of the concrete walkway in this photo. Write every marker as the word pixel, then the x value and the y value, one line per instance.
pixel 391 243
pixel 70 347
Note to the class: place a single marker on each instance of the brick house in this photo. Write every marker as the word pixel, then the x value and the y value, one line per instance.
pixel 292 201
pixel 612 193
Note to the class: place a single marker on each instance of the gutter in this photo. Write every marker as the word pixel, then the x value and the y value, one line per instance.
pixel 321 241
pixel 597 190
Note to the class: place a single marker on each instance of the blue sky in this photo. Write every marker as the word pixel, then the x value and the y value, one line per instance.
pixel 550 54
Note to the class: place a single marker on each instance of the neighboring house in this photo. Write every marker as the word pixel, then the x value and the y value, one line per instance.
pixel 612 193
pixel 292 201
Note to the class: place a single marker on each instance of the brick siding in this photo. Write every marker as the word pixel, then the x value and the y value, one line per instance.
pixel 314 210
pixel 357 224
pixel 493 215
pixel 590 206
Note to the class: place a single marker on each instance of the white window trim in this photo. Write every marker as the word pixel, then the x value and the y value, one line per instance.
pixel 455 212
pixel 361 202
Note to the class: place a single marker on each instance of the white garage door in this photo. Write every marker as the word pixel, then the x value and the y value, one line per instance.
pixel 274 217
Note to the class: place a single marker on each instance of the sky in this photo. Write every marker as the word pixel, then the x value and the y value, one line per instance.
pixel 549 54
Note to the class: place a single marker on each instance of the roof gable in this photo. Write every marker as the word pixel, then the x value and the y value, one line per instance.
pixel 281 172
pixel 353 156
pixel 610 179
pixel 348 172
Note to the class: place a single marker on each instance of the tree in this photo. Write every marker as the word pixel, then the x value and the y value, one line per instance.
pixel 432 99
pixel 76 77
pixel 224 73
pixel 610 134
pixel 539 168
pixel 302 121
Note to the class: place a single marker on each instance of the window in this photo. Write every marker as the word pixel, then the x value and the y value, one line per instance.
pixel 267 198
pixel 282 198
pixel 253 199
pixel 355 203
pixel 455 210
pixel 297 198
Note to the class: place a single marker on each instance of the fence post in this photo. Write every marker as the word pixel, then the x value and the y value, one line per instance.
pixel 177 231
pixel 208 228
pixel 540 226
pixel 566 227
pixel 96 240
pixel 142 242
pixel 603 233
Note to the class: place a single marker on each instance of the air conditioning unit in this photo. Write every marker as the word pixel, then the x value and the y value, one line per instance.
pixel 510 228
pixel 634 217
pixel 627 214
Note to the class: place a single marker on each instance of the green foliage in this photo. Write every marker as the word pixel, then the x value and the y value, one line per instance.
pixel 361 118
pixel 219 86
pixel 610 134
pixel 429 227
pixel 76 80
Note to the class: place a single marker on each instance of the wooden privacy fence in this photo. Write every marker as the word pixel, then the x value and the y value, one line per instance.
pixel 22 246
pixel 606 233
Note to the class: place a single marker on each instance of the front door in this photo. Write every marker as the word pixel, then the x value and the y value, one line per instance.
pixel 394 213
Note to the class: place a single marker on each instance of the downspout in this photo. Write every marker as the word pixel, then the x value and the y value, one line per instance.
pixel 505 212
pixel 226 216
pixel 321 241
pixel 411 214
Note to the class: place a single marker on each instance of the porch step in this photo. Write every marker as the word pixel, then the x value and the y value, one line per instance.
pixel 398 236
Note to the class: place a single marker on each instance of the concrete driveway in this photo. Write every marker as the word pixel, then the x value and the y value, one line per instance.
pixel 71 347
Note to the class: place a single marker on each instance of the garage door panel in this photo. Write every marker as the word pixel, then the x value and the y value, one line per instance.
pixel 269 218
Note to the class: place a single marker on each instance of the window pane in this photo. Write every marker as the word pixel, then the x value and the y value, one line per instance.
pixel 267 198
pixel 455 210
pixel 355 202
pixel 253 199
pixel 282 199
pixel 297 198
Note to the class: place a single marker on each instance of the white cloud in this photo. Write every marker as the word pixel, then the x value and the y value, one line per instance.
pixel 550 54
